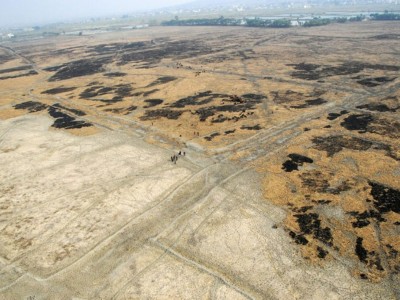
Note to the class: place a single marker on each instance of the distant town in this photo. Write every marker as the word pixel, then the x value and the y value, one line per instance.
pixel 256 13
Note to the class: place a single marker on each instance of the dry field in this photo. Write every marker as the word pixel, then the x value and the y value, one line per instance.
pixel 289 187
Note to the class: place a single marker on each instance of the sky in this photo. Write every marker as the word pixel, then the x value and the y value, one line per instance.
pixel 39 12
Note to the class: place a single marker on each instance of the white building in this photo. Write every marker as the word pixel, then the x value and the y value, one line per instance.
pixel 142 26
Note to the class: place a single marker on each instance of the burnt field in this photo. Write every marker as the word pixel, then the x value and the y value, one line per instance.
pixel 290 161
pixel 194 87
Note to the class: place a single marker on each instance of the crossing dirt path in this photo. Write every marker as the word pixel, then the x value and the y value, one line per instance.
pixel 288 189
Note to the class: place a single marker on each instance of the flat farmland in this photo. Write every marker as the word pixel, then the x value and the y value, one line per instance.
pixel 287 185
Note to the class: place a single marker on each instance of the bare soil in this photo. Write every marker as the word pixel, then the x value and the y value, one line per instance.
pixel 286 185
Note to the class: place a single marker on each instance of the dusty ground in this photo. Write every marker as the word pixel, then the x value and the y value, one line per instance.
pixel 289 188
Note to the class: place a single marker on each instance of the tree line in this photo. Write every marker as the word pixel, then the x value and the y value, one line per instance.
pixel 258 22
pixel 221 21
pixel 278 23
pixel 386 16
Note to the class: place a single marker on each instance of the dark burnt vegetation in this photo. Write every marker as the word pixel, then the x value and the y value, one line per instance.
pixel 361 252
pixel 289 96
pixel 95 91
pixel 201 98
pixel 153 54
pixel 230 131
pixel 205 112
pixel 65 121
pixel 26 74
pixel 295 161
pixel 317 181
pixel 229 104
pixel 161 113
pixel 212 136
pixel 255 127
pixel 365 218
pixel 357 122
pixel 216 58
pixel 58 90
pixel 384 127
pixel 16 69
pixel 220 119
pixel 310 224
pixel 242 115
pixel 373 124
pixel 162 80
pixel 66 51
pixel 144 65
pixel 78 68
pixel 239 105
pixel 302 209
pixel 322 202
pixel 243 106
pixel 31 106
pixel 299 100
pixel 308 71
pixel 334 116
pixel 311 228
pixel 59 112
pixel 334 144
pixel 94 83
pixel 115 74
pixel 122 110
pixel 374 81
pixel 112 48
pixel 145 93
pixel 370 258
pixel 321 252
pixel 6 57
pixel 153 102
pixel 386 199
pixel 298 238
pixel 392 255
pixel 312 233
pixel 76 112
pixel 119 91
pixel 309 103
pixel 377 107
pixel 254 97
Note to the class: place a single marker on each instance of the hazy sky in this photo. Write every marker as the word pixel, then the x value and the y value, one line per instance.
pixel 21 12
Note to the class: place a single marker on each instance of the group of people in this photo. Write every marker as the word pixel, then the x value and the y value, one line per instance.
pixel 174 158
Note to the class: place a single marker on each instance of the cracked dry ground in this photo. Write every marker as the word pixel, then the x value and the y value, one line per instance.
pixel 289 188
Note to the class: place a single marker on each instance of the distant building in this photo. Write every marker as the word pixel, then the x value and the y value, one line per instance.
pixel 142 26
